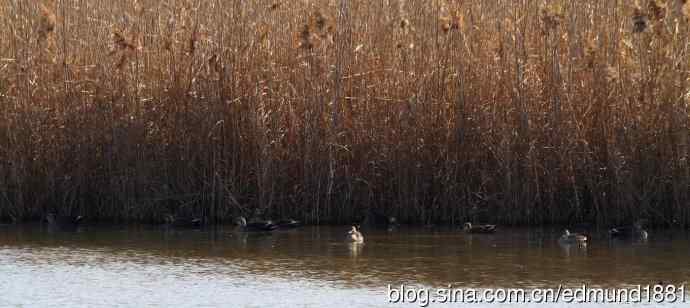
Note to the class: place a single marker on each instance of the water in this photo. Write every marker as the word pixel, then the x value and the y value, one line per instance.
pixel 310 267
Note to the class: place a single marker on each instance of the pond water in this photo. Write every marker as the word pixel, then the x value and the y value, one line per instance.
pixel 147 266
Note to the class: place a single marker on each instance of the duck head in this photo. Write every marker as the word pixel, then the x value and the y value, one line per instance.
pixel 467 226
pixel 241 221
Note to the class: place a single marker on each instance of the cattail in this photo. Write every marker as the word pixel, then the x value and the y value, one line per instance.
pixel 639 21
pixel 46 24
pixel 274 6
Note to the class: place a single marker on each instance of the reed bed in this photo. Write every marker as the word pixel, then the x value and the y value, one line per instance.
pixel 511 111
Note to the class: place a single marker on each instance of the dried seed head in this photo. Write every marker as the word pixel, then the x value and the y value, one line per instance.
pixel 686 9
pixel 305 38
pixel 551 15
pixel 214 64
pixel 657 10
pixel 264 30
pixel 445 24
pixel 612 74
pixel 121 42
pixel 639 21
pixel 46 24
pixel 454 21
pixel 167 44
pixel 318 21
pixel 139 8
pixel 404 23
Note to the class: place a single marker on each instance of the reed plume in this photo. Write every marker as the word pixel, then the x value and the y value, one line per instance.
pixel 516 112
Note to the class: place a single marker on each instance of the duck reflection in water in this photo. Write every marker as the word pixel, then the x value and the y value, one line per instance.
pixel 572 243
pixel 570 249
pixel 355 249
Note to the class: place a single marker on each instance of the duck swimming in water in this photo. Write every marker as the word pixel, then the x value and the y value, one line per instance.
pixel 259 226
pixel 469 228
pixel 182 222
pixel 354 236
pixel 572 238
pixel 629 232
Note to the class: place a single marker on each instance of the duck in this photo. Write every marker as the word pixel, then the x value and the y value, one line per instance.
pixel 629 232
pixel 572 238
pixel 354 236
pixel 259 226
pixel 63 222
pixel 286 224
pixel 469 228
pixel 182 222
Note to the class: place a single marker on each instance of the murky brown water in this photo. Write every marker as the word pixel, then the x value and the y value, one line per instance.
pixel 307 267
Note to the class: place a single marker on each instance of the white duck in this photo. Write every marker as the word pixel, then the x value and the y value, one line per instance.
pixel 354 236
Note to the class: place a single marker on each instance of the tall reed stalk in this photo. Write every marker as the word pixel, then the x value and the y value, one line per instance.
pixel 521 112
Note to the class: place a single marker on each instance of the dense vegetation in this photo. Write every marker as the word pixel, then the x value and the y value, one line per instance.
pixel 510 111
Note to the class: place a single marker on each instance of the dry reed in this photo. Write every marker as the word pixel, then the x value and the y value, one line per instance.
pixel 521 112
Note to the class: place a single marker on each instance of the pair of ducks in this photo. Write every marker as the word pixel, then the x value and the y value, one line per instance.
pixel 265 226
pixel 469 228
pixel 627 232
pixel 355 236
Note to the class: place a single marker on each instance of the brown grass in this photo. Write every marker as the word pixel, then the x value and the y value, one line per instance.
pixel 522 112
